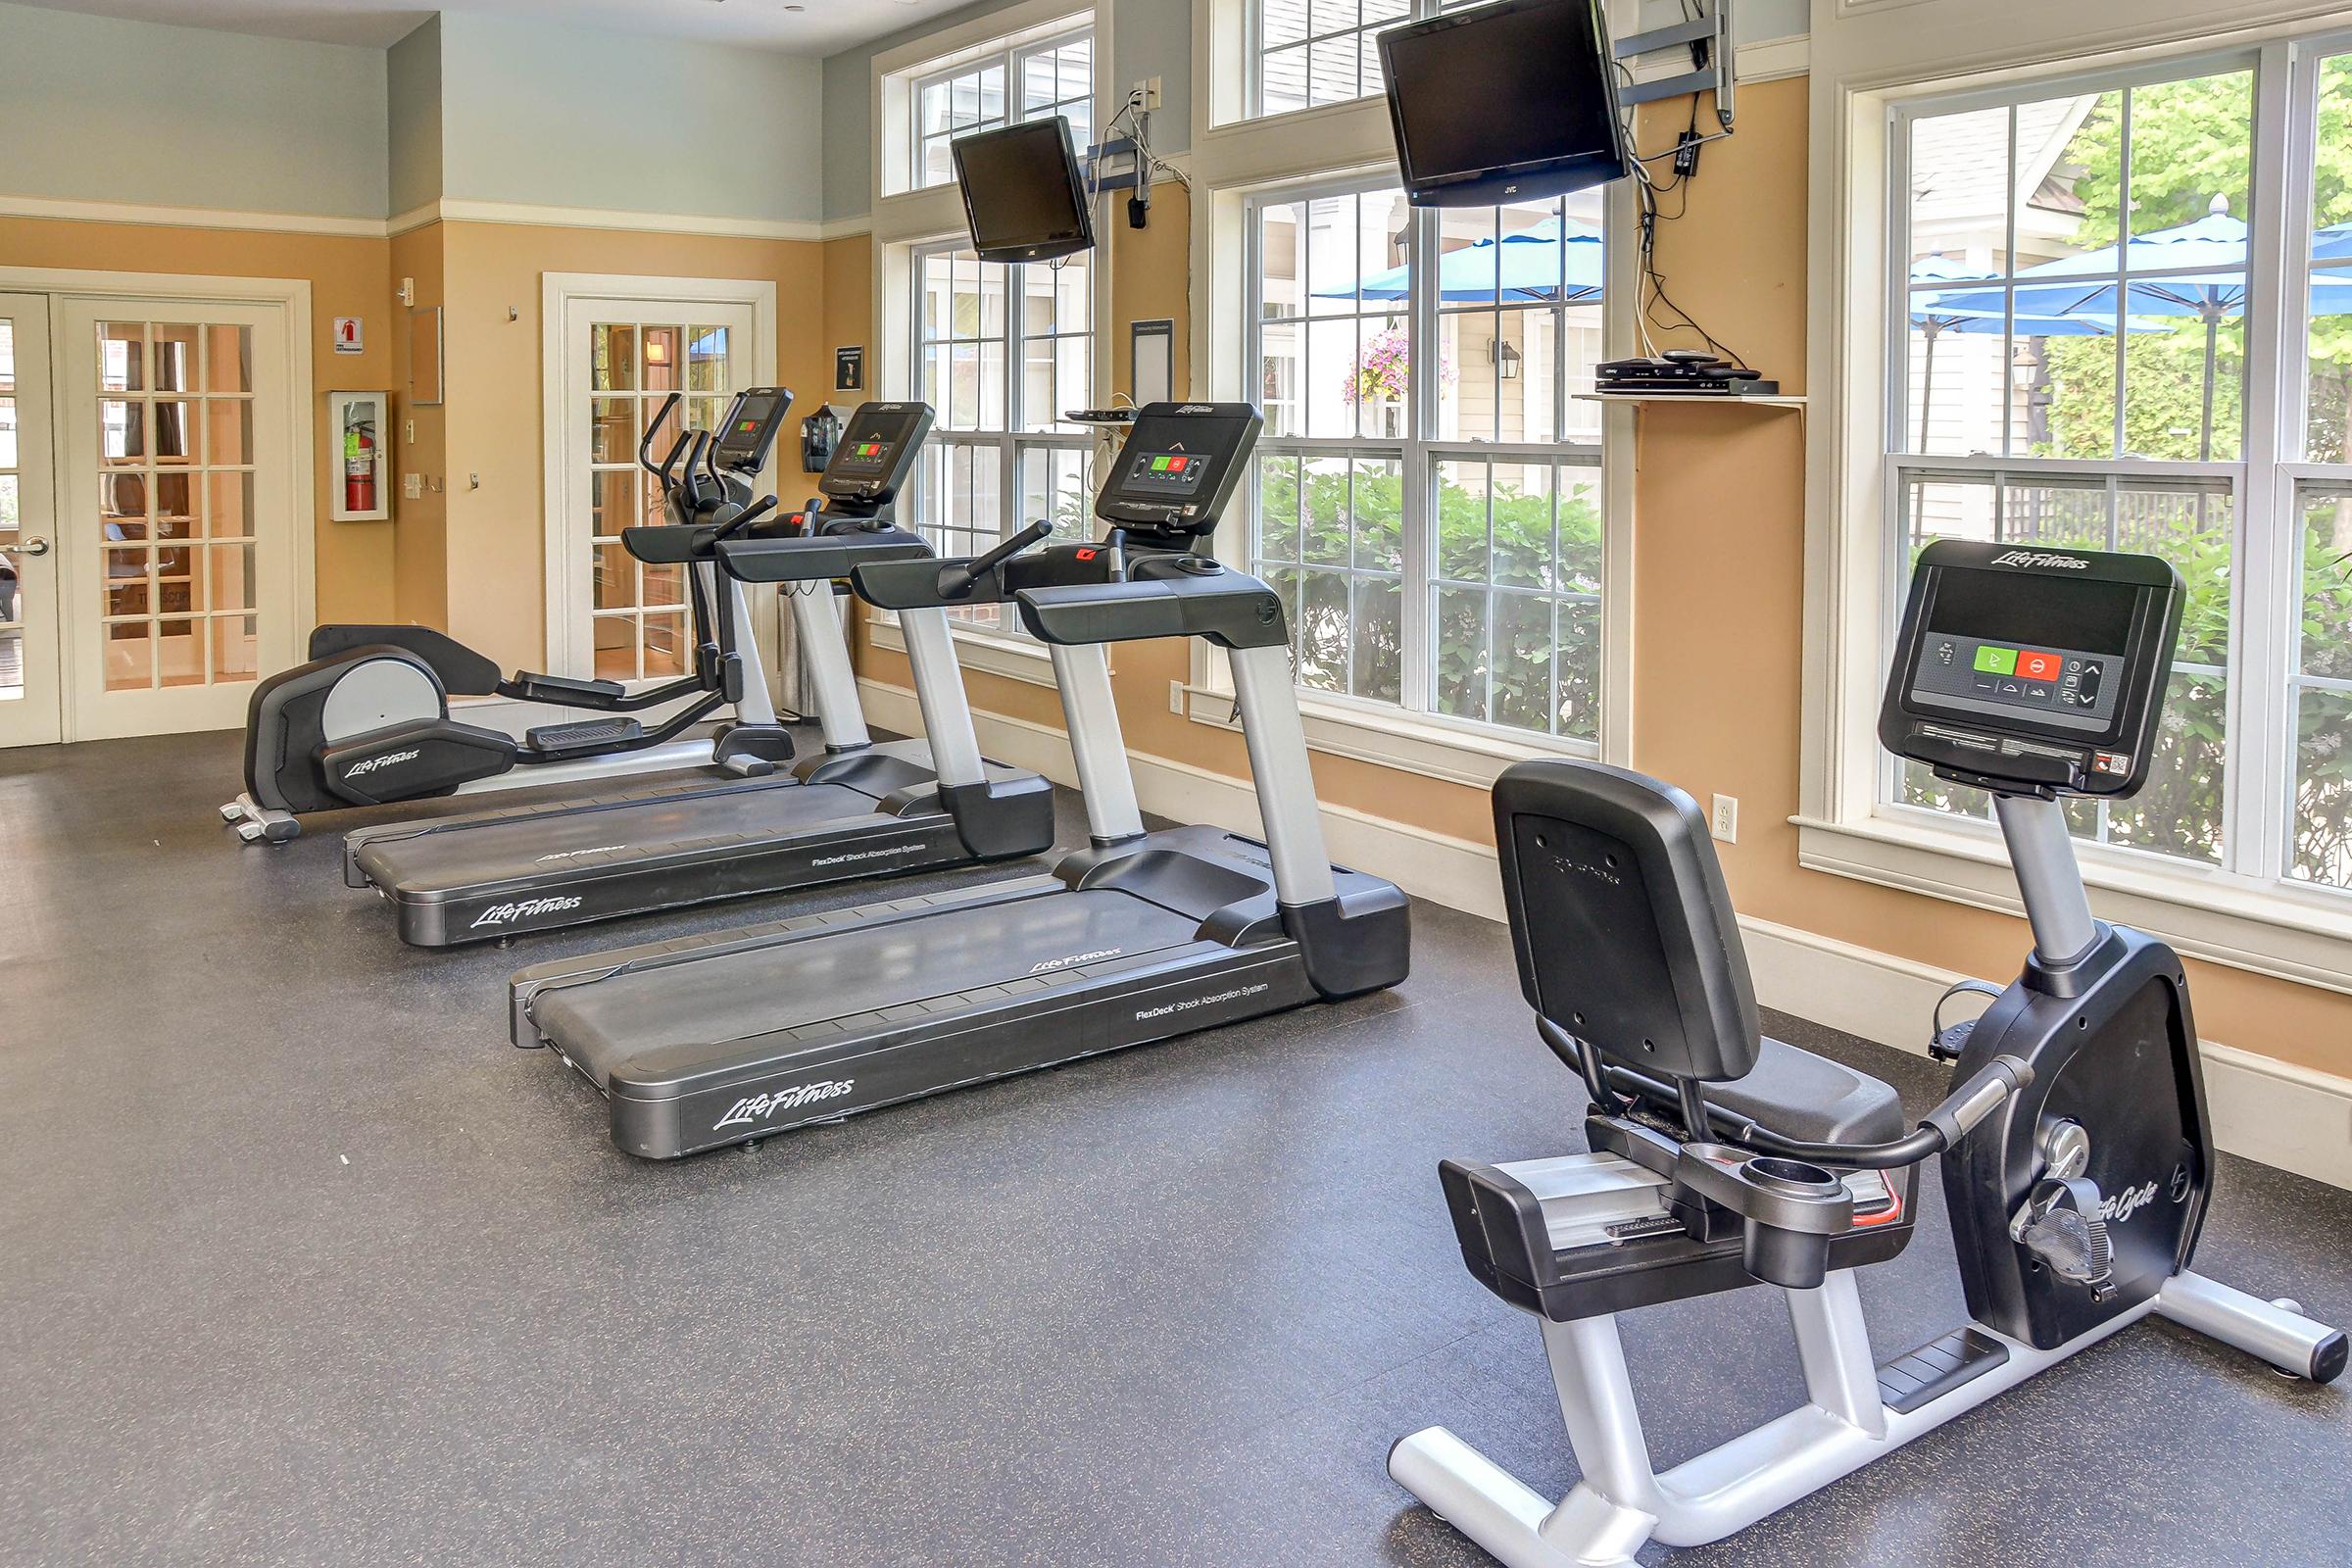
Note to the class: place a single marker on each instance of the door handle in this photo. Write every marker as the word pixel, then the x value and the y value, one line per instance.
pixel 36 547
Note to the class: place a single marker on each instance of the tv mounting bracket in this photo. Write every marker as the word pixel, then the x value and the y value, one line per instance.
pixel 1707 38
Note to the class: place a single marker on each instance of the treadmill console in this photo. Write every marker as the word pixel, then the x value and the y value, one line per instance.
pixel 749 431
pixel 1179 469
pixel 876 454
pixel 2030 670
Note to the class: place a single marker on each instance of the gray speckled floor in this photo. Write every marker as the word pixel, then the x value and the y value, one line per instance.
pixel 300 1262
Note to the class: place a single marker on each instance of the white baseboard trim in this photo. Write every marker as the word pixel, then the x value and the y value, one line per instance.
pixel 2274 1112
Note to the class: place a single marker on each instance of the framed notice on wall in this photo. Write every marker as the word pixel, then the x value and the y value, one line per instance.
pixel 360 432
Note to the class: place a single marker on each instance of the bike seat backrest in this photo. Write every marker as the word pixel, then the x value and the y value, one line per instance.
pixel 1625 934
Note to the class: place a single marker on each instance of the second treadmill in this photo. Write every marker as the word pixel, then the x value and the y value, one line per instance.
pixel 1143 936
pixel 861 809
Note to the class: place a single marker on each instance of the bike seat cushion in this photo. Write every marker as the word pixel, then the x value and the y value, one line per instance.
pixel 1799 1094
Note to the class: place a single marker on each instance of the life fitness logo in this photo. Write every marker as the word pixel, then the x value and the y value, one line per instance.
pixel 2041 558
pixel 765 1108
pixel 387 759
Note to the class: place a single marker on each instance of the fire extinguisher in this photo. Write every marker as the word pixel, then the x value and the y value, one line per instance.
pixel 359 469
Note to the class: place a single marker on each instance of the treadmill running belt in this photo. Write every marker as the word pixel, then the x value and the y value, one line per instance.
pixel 839 973
pixel 449 859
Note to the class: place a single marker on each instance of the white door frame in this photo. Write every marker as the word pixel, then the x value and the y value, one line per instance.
pixel 292 293
pixel 563 423
pixel 38 715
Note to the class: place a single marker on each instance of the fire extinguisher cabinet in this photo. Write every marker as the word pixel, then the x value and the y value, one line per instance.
pixel 358 433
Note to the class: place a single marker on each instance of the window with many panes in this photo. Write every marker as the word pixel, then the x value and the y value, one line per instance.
pixel 1304 53
pixel 2090 360
pixel 1035 81
pixel 1427 496
pixel 1000 352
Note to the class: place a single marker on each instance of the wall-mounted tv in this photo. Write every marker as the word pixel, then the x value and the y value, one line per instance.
pixel 1508 102
pixel 1024 194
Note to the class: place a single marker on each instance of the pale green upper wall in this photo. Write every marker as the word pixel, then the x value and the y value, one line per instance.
pixel 93 109
pixel 562 117
pixel 413 84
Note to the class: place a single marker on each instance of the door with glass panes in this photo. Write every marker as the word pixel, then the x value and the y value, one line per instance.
pixel 31 696
pixel 614 617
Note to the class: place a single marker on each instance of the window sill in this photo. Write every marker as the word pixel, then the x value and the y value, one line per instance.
pixel 1390 737
pixel 991 653
pixel 2281 930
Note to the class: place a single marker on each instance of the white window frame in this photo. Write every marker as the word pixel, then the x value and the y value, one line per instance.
pixel 1418 457
pixel 1869 72
pixel 1013 57
pixel 1236 160
pixel 1026 27
pixel 909 221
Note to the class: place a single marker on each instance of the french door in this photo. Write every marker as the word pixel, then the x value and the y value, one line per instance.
pixel 612 616
pixel 174 545
pixel 31 695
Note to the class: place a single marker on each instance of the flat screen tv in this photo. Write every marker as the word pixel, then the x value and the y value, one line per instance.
pixel 1508 102
pixel 1024 195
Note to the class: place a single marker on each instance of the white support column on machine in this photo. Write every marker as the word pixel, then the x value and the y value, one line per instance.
pixel 1832 1344
pixel 1097 744
pixel 833 685
pixel 757 705
pixel 2049 878
pixel 1281 774
pixel 938 693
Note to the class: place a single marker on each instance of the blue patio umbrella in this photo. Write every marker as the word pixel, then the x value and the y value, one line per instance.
pixel 1935 318
pixel 1548 263
pixel 2206 266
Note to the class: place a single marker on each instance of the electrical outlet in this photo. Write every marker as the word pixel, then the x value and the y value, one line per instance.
pixel 1149 88
pixel 412 485
pixel 1176 696
pixel 1726 824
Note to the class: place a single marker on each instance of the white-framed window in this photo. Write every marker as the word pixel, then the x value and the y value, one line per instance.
pixel 1303 54
pixel 1000 352
pixel 2080 263
pixel 1008 83
pixel 2116 313
pixel 1427 496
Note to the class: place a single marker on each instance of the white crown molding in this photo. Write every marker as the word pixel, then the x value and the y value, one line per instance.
pixel 468 211
pixel 2276 1113
pixel 1765 59
pixel 79 212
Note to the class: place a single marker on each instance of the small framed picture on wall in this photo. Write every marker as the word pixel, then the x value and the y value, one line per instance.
pixel 359 428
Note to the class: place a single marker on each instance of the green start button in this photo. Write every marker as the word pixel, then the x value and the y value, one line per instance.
pixel 1998 661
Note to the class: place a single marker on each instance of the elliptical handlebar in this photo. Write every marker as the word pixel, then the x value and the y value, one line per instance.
pixel 645 442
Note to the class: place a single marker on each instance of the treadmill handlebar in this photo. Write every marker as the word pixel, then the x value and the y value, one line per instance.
pixel 817 558
pixel 957 580
pixel 1162 596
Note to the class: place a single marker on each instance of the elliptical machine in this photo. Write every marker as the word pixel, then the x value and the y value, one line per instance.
pixel 2076 1153
pixel 367 721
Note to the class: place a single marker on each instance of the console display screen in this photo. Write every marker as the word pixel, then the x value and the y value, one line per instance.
pixel 869 448
pixel 747 431
pixel 2040 648
pixel 1175 476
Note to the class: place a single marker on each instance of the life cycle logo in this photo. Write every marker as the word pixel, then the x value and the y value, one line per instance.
pixel 387 759
pixel 2126 1204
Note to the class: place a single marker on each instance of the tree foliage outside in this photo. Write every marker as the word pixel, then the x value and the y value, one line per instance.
pixel 1516 617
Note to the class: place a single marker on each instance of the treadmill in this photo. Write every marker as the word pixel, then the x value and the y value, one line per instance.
pixel 733 1035
pixel 858 810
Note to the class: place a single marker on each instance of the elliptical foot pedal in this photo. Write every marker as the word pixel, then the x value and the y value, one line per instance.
pixel 587 735
pixel 1937 1367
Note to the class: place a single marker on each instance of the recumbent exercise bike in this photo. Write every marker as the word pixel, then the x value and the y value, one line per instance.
pixel 2078 1158
pixel 367 721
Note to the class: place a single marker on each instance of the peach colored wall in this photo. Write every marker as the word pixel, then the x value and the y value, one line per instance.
pixel 496 557
pixel 421 525
pixel 355 560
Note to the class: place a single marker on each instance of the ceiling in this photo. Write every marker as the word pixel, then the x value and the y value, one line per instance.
pixel 809 27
